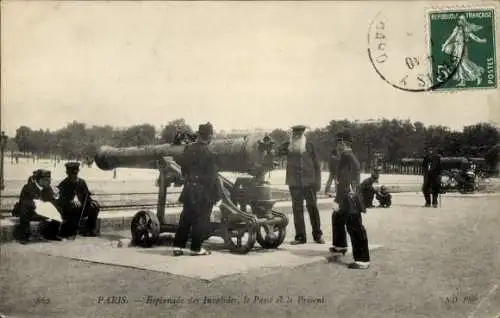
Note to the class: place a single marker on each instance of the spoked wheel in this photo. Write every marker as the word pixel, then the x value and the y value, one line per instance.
pixel 145 229
pixel 271 236
pixel 240 237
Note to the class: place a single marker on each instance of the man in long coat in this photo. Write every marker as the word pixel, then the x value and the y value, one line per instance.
pixel 431 167
pixel 303 177
pixel 202 190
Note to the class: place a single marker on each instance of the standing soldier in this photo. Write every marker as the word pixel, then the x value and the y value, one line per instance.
pixel 431 167
pixel 201 192
pixel 76 203
pixel 37 188
pixel 303 177
pixel 348 212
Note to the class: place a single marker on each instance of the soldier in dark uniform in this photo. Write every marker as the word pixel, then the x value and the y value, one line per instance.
pixel 37 188
pixel 303 177
pixel 202 190
pixel 71 188
pixel 347 213
pixel 367 190
pixel 431 167
pixel 384 197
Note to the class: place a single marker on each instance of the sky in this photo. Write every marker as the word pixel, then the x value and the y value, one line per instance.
pixel 238 65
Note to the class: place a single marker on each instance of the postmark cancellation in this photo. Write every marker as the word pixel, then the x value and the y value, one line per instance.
pixel 444 49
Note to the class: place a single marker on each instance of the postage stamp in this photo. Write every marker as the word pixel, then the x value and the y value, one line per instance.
pixel 439 50
pixel 467 37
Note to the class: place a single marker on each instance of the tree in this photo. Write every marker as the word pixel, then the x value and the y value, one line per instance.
pixel 138 135
pixel 24 139
pixel 279 136
pixel 174 126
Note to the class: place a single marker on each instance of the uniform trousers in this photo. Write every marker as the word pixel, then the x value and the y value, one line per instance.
pixel 49 228
pixel 432 185
pixel 72 215
pixel 348 216
pixel 194 218
pixel 299 194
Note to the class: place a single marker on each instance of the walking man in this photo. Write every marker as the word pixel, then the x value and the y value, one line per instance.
pixel 202 190
pixel 348 207
pixel 431 167
pixel 303 177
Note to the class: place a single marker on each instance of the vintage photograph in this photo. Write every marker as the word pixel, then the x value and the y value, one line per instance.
pixel 249 159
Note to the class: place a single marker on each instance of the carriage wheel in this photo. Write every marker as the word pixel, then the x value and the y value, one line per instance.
pixel 145 229
pixel 271 236
pixel 240 238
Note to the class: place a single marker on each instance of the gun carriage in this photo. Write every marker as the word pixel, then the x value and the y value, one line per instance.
pixel 253 155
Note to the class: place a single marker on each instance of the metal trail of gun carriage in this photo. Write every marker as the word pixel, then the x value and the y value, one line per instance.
pixel 254 155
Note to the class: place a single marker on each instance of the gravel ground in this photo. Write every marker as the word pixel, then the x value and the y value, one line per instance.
pixel 433 263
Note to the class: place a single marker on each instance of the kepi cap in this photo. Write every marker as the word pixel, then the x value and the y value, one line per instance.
pixel 41 173
pixel 205 130
pixel 298 128
pixel 344 135
pixel 72 166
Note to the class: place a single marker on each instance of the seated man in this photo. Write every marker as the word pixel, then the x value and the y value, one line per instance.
pixel 367 190
pixel 37 188
pixel 384 197
pixel 75 203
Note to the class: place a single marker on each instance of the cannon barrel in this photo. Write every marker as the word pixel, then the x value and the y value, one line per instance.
pixel 244 154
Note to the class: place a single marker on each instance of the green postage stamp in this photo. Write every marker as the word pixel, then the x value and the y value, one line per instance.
pixel 462 49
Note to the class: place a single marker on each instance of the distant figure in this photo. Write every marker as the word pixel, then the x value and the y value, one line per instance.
pixel 332 167
pixel 367 188
pixel 303 177
pixel 431 167
pixel 76 203
pixel 114 173
pixel 37 188
pixel 202 190
pixel 383 197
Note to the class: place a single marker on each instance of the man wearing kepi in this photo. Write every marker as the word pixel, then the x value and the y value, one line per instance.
pixel 431 167
pixel 76 203
pixel 303 177
pixel 201 192
pixel 347 213
pixel 37 188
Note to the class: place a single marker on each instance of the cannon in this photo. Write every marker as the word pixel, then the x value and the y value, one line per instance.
pixel 253 154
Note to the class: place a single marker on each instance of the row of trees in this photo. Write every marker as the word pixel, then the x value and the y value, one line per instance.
pixel 393 139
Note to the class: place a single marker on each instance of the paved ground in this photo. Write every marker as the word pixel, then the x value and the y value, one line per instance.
pixel 432 263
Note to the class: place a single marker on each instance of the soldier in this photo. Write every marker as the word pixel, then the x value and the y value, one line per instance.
pixel 202 190
pixel 303 177
pixel 367 190
pixel 384 197
pixel 348 209
pixel 76 203
pixel 37 188
pixel 431 167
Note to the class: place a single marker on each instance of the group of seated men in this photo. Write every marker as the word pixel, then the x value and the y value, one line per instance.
pixel 73 202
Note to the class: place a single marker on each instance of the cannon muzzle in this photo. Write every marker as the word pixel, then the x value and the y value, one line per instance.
pixel 146 157
pixel 253 154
